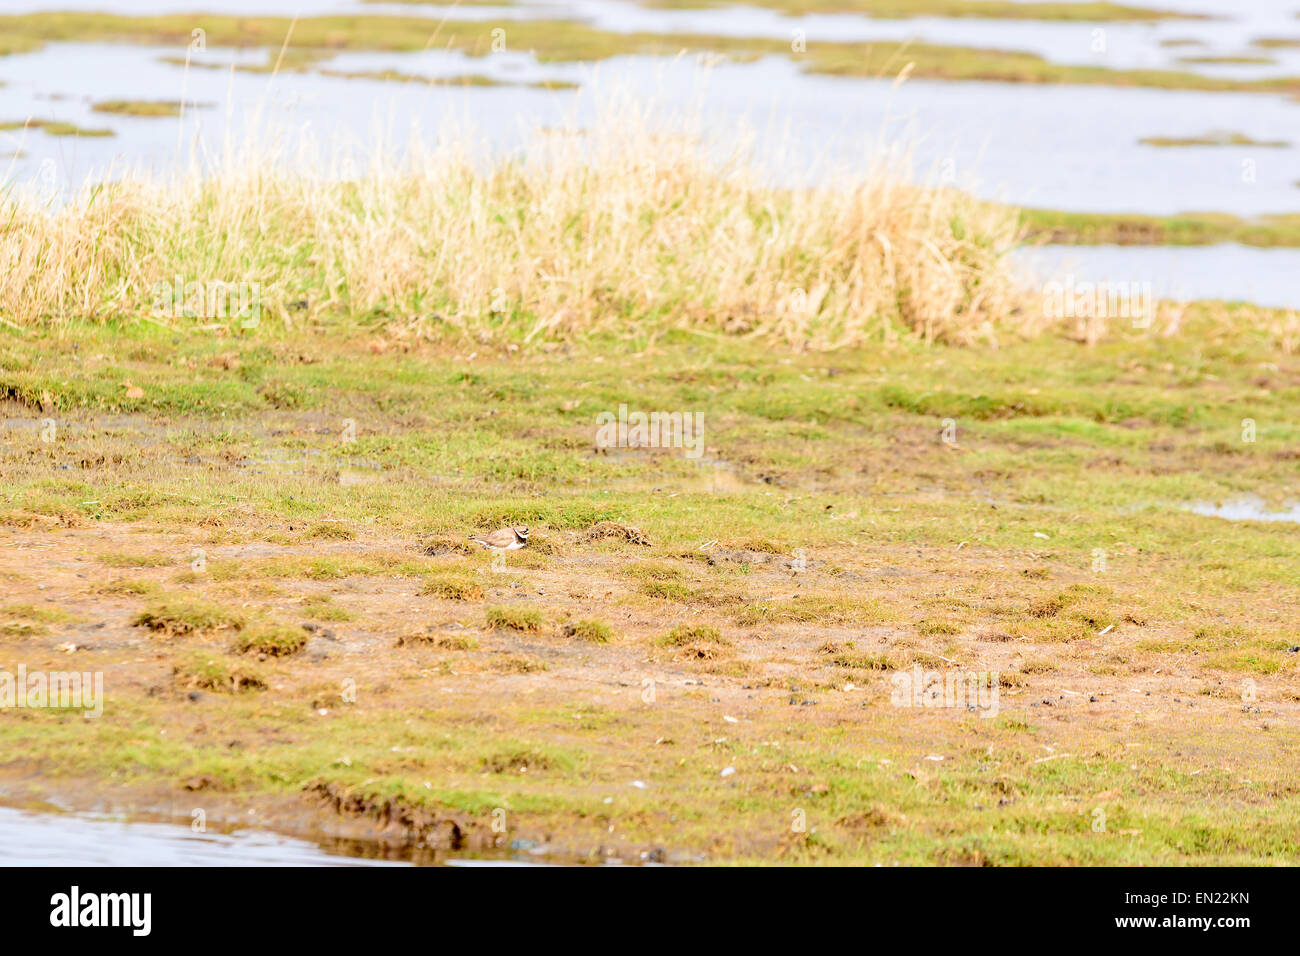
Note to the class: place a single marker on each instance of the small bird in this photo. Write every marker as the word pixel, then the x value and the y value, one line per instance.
pixel 507 539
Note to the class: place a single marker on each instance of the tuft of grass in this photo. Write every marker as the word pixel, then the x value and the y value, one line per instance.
pixel 329 531
pixel 273 640
pixel 438 545
pixel 814 610
pixel 520 758
pixel 451 586
pixel 931 261
pixel 514 618
pixel 322 608
pixel 686 634
pixel 857 660
pixel 446 642
pixel 666 590
pixel 123 560
pixel 27 620
pixel 456 642
pixel 126 587
pixel 651 571
pixel 516 664
pixel 178 617
pixel 217 672
pixel 590 630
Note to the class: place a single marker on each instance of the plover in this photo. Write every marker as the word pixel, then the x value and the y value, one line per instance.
pixel 507 539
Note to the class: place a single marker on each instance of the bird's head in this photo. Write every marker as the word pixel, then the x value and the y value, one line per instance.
pixel 522 533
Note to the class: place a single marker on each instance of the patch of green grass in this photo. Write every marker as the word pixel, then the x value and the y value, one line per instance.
pixel 666 590
pixel 521 758
pixel 651 571
pixel 121 560
pixel 686 634
pixel 1134 229
pixel 809 609
pixel 321 607
pixel 456 642
pixel 452 586
pixel 178 617
pixel 126 587
pixel 53 128
pixel 589 630
pixel 514 618
pixel 152 108
pixel 217 672
pixel 329 531
pixel 273 640
pixel 27 620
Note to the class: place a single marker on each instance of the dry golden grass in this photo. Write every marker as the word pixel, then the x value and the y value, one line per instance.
pixel 581 232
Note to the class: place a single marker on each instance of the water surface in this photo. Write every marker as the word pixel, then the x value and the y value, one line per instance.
pixel 65 839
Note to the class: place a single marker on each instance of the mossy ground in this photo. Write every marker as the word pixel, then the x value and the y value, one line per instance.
pixel 827 540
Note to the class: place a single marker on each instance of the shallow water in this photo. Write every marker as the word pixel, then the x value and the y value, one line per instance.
pixel 1182 273
pixel 1248 509
pixel 1066 147
pixel 1139 45
pixel 64 839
